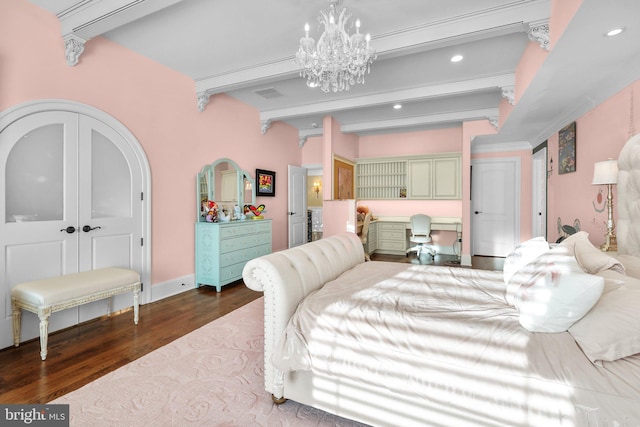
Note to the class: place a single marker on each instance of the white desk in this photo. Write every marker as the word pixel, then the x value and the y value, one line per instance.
pixel 391 231
pixel 438 223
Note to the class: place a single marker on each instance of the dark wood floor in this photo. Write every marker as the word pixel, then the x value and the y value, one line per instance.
pixel 83 353
pixel 479 262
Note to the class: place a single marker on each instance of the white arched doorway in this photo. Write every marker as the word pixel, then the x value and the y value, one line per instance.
pixel 75 197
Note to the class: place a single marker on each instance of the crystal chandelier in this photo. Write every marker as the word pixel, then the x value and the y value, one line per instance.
pixel 338 61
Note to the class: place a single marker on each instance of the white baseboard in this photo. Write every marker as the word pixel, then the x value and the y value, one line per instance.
pixel 172 287
pixel 466 260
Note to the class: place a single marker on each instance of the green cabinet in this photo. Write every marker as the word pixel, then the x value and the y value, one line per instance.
pixel 223 248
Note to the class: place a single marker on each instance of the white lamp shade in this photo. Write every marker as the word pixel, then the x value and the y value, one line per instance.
pixel 605 172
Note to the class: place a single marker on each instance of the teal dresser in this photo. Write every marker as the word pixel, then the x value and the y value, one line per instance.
pixel 223 248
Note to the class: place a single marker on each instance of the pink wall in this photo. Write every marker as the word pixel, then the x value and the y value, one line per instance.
pixel 562 12
pixel 312 151
pixel 406 144
pixel 600 134
pixel 158 105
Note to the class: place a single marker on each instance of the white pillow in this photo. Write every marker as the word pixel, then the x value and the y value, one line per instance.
pixel 591 259
pixel 611 330
pixel 561 257
pixel 522 255
pixel 551 301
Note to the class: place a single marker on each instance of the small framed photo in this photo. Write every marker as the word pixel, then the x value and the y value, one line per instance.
pixel 265 183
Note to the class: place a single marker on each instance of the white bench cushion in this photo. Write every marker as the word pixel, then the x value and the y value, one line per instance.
pixel 52 291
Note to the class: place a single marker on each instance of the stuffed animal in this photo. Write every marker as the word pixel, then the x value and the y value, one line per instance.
pixel 212 211
pixel 362 212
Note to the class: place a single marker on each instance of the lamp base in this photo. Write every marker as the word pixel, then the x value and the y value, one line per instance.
pixel 610 245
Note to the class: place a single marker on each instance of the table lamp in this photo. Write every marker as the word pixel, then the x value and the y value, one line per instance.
pixel 606 173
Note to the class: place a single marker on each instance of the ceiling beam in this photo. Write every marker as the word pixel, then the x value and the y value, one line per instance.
pixel 507 19
pixel 90 18
pixel 406 95
pixel 432 119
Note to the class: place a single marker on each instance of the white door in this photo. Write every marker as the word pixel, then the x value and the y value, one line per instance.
pixel 539 190
pixel 297 205
pixel 495 201
pixel 71 202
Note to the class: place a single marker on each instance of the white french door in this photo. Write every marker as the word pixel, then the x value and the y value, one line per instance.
pixel 495 205
pixel 71 201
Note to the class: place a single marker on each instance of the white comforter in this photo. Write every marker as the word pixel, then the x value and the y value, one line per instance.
pixel 449 333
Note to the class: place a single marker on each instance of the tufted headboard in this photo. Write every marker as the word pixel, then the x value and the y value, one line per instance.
pixel 628 226
pixel 286 277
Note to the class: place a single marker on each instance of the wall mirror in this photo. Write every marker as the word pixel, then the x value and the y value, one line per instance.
pixel 222 181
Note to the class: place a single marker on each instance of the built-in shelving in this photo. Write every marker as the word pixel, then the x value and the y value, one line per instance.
pixel 436 176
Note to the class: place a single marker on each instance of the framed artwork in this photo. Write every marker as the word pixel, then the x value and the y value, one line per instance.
pixel 567 149
pixel 265 183
pixel 343 179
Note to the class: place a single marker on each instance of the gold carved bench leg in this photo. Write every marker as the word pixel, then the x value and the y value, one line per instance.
pixel 44 332
pixel 16 312
pixel 136 304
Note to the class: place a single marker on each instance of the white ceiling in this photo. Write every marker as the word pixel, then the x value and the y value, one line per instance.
pixel 243 47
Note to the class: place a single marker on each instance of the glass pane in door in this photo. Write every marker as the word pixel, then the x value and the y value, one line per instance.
pixel 110 178
pixel 34 176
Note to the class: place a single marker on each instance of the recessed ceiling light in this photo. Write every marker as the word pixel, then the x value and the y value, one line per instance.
pixel 456 58
pixel 397 106
pixel 614 31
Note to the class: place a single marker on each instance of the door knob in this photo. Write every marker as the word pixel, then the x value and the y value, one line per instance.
pixel 88 228
pixel 70 229
pixel 291 213
pixel 477 212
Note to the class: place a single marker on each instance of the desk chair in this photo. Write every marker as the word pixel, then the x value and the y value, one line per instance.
pixel 365 233
pixel 421 235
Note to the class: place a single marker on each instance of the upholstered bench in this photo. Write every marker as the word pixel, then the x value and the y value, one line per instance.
pixel 47 296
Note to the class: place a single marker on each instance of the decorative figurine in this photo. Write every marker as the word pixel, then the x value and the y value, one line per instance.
pixel 212 211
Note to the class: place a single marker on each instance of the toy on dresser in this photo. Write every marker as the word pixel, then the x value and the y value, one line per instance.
pixel 256 211
pixel 211 209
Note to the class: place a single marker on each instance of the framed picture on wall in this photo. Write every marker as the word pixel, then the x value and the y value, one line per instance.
pixel 343 181
pixel 567 149
pixel 265 183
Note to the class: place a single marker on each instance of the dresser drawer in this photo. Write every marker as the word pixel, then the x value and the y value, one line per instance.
pixel 233 257
pixel 392 234
pixel 234 230
pixel 258 239
pixel 256 251
pixel 233 244
pixel 231 272
pixel 388 226
pixel 392 245
pixel 263 227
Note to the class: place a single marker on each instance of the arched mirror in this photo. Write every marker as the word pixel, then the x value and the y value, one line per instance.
pixel 222 181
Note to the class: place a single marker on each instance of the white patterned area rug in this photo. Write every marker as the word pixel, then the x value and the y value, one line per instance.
pixel 212 376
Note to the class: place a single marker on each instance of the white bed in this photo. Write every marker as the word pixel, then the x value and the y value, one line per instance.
pixel 551 341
